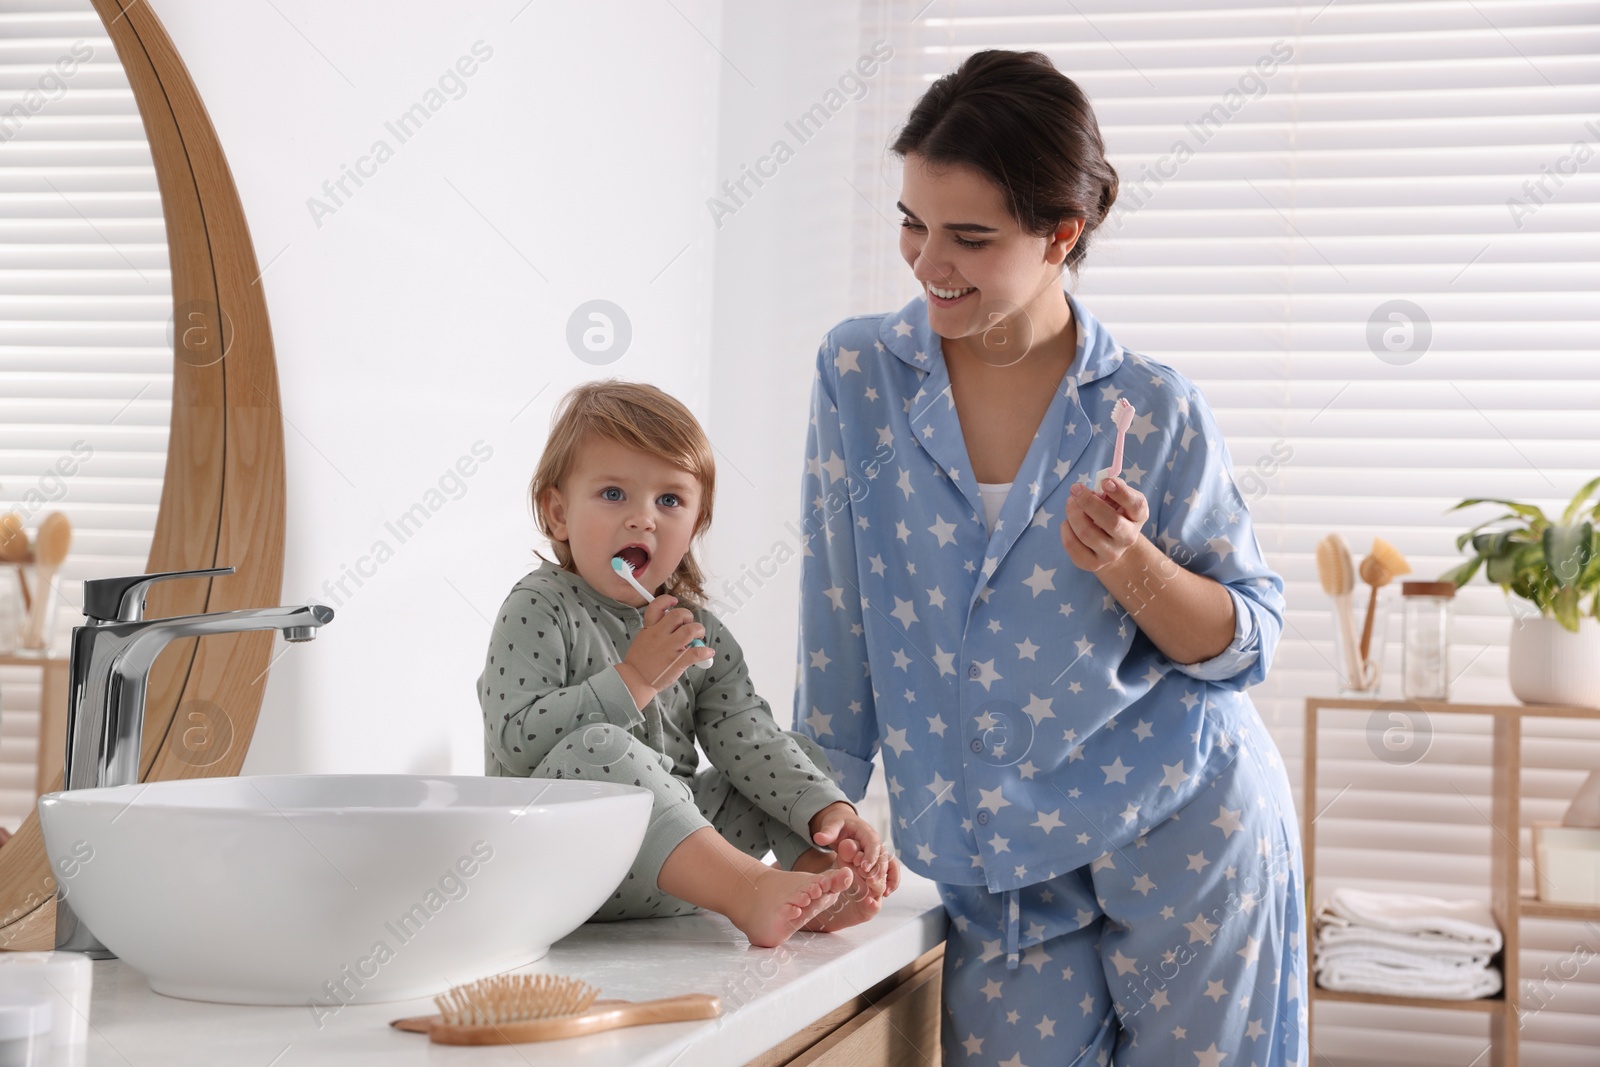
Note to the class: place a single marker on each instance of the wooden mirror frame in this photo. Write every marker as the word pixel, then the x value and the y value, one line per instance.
pixel 222 501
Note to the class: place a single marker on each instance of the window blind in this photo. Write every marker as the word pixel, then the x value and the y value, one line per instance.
pixel 85 307
pixel 1292 175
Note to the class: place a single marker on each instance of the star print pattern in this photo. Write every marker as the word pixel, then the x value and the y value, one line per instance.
pixel 1007 693
pixel 974 686
pixel 1110 968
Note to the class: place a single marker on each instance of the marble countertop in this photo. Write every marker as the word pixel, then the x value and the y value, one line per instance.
pixel 767 996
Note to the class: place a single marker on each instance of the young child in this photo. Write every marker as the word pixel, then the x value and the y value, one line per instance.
pixel 582 683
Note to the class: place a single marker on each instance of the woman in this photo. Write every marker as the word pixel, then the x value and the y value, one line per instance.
pixel 1055 668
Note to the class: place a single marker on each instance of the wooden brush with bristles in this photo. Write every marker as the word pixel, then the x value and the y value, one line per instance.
pixel 1337 573
pixel 1378 568
pixel 510 1009
pixel 14 549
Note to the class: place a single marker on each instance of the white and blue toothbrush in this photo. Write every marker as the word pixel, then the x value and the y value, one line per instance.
pixel 620 565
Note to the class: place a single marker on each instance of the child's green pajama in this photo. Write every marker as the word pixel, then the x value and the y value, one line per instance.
pixel 554 706
pixel 607 753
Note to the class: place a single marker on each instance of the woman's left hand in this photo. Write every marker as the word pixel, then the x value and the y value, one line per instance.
pixel 1101 527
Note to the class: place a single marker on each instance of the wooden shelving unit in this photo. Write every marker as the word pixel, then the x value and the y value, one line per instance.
pixel 1507 901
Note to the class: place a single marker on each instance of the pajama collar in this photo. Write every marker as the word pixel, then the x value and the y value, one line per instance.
pixel 938 430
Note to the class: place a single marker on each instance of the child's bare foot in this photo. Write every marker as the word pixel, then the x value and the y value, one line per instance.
pixel 779 902
pixel 860 902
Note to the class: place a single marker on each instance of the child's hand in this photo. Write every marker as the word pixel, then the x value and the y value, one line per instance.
pixel 891 873
pixel 657 650
pixel 1100 527
pixel 858 846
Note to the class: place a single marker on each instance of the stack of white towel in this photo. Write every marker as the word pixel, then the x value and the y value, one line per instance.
pixel 1407 946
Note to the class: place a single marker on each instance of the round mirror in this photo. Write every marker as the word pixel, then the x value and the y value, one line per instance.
pixel 209 349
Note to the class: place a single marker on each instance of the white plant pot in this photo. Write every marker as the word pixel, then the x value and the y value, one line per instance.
pixel 1552 665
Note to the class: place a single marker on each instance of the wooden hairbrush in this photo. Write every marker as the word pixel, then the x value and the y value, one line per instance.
pixel 510 1009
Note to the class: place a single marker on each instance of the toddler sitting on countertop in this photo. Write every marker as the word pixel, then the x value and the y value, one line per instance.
pixel 586 680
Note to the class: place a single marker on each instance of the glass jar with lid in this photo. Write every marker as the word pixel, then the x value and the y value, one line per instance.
pixel 1425 646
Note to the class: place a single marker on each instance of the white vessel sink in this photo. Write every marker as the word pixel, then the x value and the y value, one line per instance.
pixel 341 888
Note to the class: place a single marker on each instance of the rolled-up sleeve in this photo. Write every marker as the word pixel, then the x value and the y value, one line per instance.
pixel 833 695
pixel 1243 650
pixel 1204 525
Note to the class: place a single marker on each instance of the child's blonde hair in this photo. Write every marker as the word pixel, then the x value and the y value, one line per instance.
pixel 639 416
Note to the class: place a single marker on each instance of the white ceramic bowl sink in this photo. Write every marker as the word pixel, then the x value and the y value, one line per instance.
pixel 339 888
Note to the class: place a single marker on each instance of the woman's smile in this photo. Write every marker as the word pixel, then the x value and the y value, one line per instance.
pixel 945 298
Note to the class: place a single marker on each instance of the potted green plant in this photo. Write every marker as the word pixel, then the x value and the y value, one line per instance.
pixel 1555 566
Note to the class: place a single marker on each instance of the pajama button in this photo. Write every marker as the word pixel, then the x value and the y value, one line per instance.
pixel 973 671
pixel 977 746
pixel 983 818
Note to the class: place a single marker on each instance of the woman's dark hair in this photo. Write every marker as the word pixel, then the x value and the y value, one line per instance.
pixel 1016 119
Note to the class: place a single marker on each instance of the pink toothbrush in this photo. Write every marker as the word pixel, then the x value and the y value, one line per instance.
pixel 1122 415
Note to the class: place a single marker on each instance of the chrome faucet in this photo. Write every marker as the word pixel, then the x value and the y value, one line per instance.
pixel 112 654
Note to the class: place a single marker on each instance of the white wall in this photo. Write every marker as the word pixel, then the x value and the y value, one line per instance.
pixel 782 280
pixel 784 276
pixel 409 326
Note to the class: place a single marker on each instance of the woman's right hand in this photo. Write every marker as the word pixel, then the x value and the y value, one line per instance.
pixel 657 652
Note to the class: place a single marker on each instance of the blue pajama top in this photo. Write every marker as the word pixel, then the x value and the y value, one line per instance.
pixel 1028 725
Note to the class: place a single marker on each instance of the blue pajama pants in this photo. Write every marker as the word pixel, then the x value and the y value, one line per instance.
pixel 1186 946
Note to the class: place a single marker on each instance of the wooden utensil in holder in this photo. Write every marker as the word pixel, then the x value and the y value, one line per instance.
pixel 50 545
pixel 15 554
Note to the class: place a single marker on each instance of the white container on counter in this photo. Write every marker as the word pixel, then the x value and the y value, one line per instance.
pixel 44 1009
